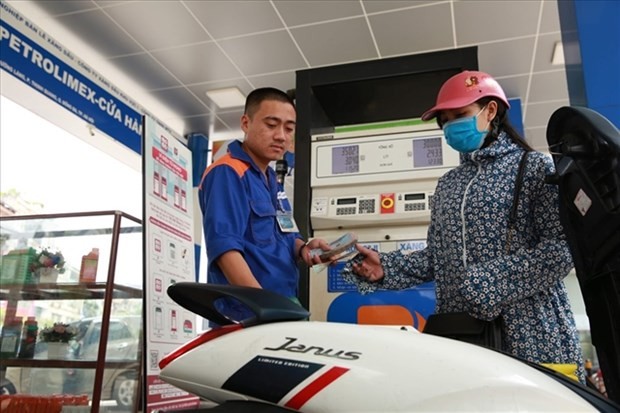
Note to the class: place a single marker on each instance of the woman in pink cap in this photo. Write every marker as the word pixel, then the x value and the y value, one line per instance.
pixel 495 247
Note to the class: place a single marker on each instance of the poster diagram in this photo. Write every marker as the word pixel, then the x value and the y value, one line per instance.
pixel 169 255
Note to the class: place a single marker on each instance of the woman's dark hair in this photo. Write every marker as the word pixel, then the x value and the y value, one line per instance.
pixel 257 96
pixel 502 123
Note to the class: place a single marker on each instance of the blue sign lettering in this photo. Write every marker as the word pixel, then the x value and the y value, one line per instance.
pixel 29 62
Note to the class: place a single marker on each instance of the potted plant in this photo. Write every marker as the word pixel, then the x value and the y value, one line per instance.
pixel 57 338
pixel 47 265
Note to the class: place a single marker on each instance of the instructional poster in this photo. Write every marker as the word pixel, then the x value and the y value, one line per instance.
pixel 169 255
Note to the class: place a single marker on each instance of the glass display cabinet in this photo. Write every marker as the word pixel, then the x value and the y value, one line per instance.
pixel 71 308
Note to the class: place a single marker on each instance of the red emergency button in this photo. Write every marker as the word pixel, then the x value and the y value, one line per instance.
pixel 387 203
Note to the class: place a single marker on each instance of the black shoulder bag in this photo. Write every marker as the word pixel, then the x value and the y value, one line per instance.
pixel 464 327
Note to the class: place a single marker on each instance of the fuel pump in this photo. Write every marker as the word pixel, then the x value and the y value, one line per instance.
pixel 376 180
pixel 365 163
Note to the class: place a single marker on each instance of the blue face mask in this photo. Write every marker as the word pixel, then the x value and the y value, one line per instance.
pixel 463 134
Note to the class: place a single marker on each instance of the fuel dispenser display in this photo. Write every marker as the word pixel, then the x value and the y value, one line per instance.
pixel 376 181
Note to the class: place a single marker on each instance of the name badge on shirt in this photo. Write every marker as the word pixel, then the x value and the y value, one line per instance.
pixel 286 222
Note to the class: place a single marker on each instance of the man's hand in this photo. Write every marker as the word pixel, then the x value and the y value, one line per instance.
pixel 309 259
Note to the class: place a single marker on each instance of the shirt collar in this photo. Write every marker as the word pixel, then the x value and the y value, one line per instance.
pixel 235 148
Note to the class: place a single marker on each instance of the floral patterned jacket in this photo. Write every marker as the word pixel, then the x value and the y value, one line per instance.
pixel 475 267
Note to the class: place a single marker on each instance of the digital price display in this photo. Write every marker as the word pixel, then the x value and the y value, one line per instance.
pixel 415 197
pixel 346 159
pixel 346 201
pixel 427 152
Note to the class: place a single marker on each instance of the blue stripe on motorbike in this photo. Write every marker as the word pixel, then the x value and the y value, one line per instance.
pixel 270 378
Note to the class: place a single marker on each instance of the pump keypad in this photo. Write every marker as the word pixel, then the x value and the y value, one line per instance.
pixel 346 211
pixel 415 206
pixel 367 206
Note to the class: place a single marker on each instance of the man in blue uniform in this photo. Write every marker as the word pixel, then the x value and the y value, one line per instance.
pixel 251 236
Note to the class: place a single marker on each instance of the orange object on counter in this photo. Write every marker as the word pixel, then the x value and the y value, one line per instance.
pixel 88 269
pixel 27 403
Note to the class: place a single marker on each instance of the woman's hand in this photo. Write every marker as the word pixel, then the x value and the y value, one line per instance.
pixel 370 268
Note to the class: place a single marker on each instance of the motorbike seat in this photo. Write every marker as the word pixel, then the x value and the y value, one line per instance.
pixel 268 307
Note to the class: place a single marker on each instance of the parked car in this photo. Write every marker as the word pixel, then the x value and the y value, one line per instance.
pixel 123 345
pixel 119 384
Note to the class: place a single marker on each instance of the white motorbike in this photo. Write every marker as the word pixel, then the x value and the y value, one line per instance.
pixel 277 361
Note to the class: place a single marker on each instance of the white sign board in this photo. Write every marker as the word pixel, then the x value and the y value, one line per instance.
pixel 169 254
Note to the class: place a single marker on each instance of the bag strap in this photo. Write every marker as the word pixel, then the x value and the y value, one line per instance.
pixel 512 218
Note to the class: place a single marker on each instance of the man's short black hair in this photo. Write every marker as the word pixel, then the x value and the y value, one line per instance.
pixel 257 96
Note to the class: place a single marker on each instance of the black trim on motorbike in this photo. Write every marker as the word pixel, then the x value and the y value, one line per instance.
pixel 267 306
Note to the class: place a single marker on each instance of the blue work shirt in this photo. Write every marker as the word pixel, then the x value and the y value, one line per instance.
pixel 239 206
